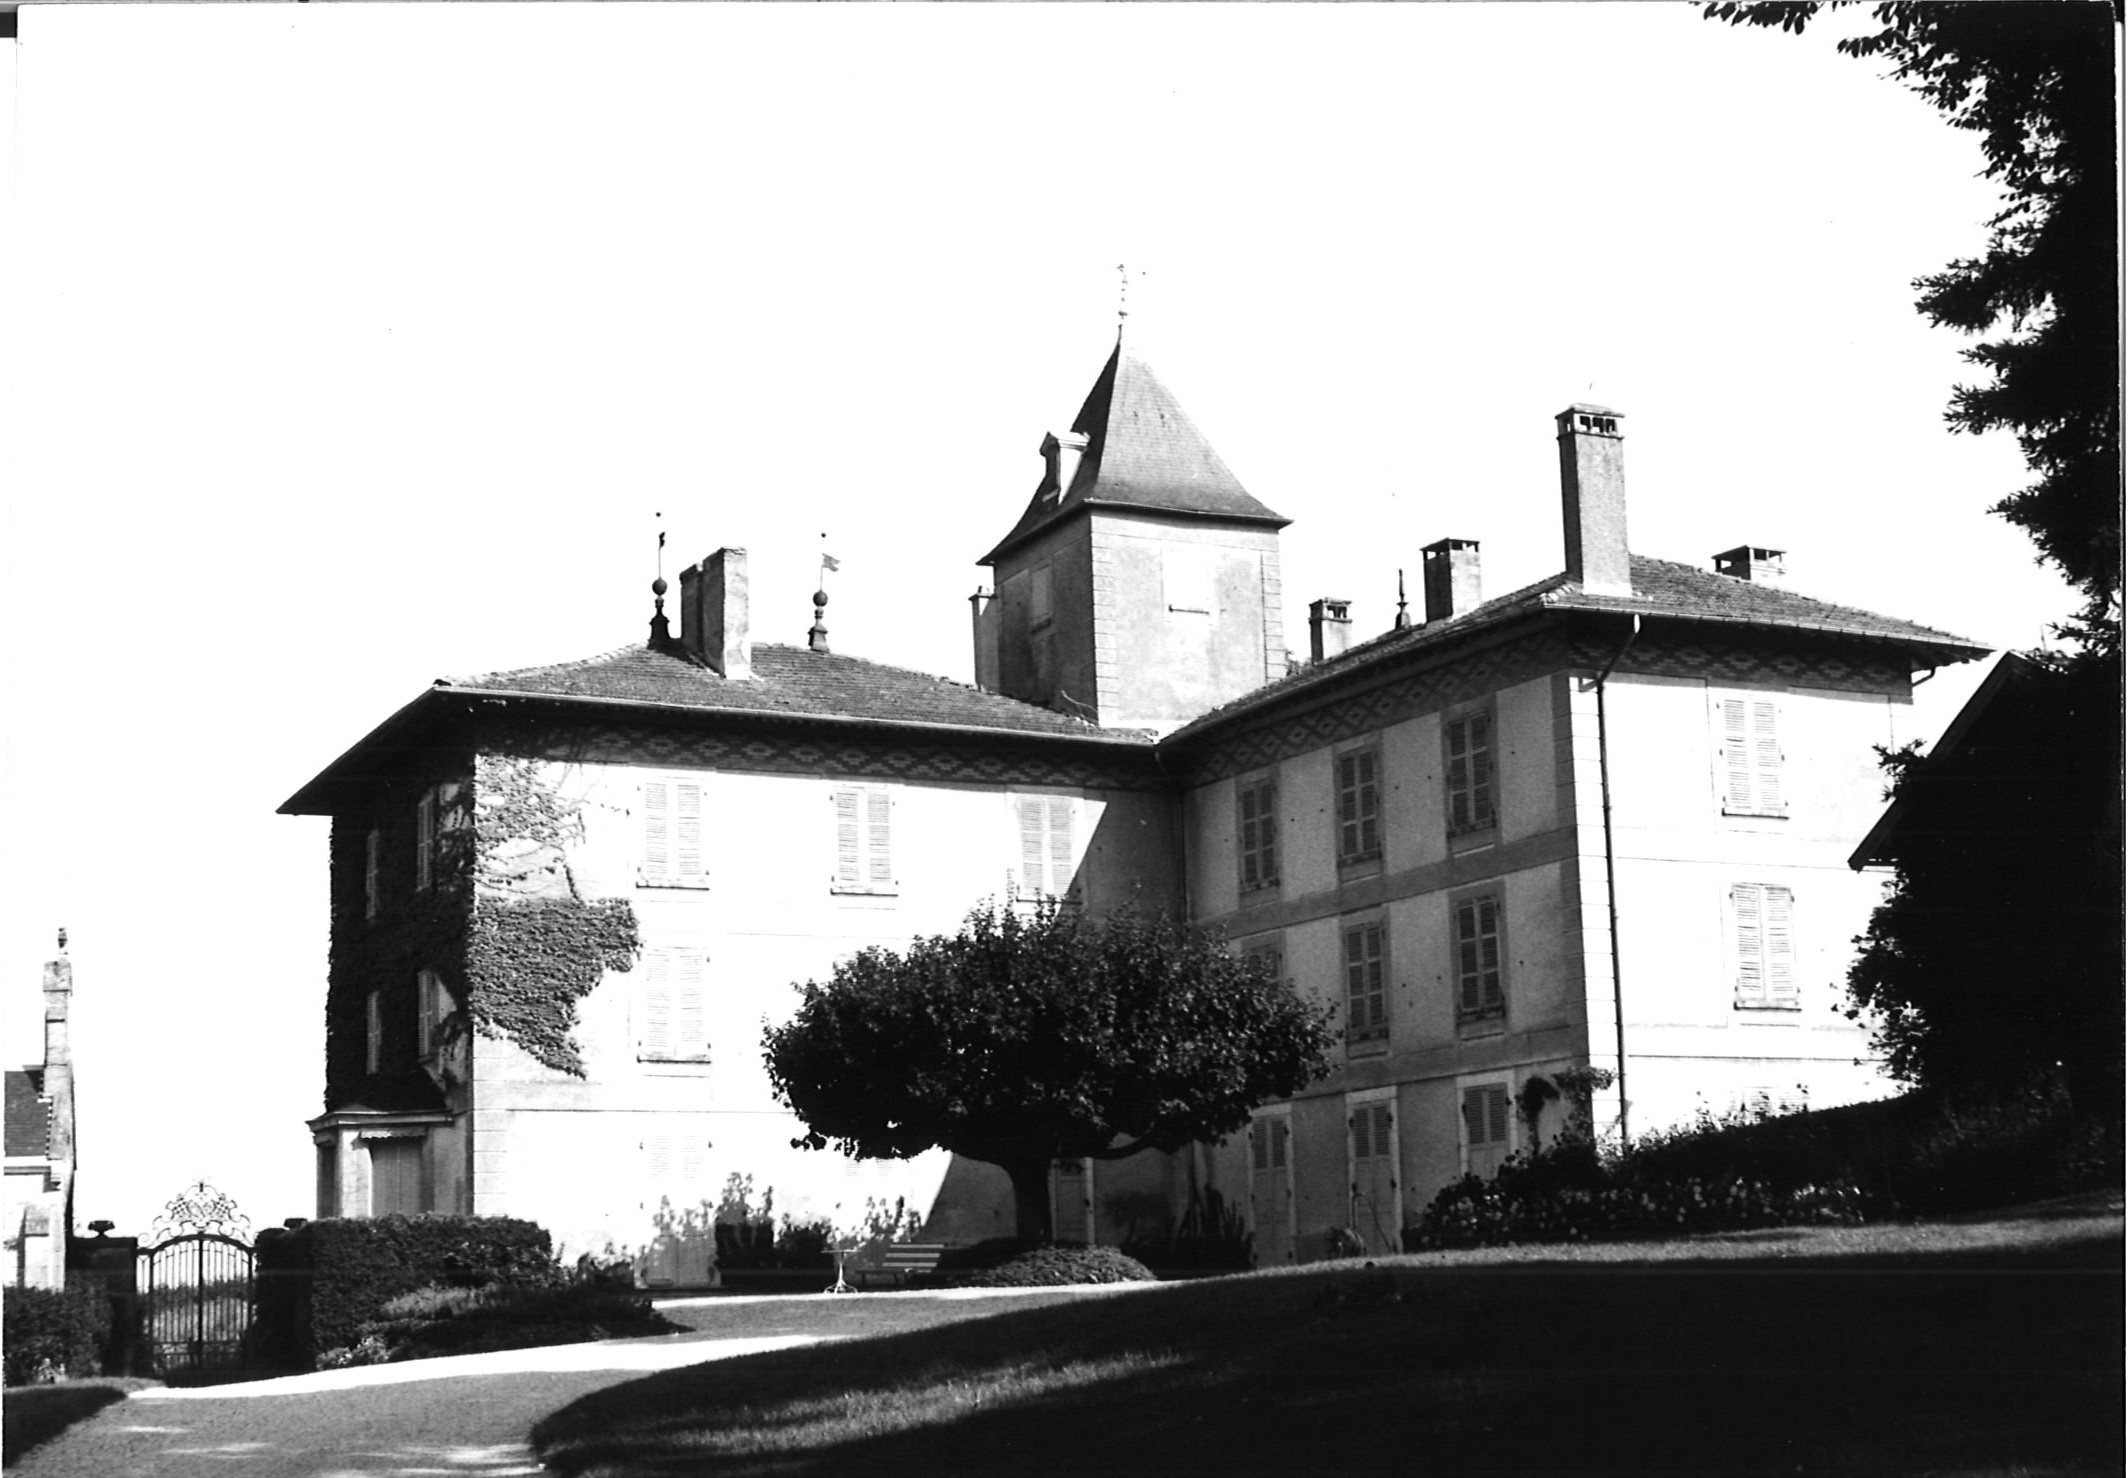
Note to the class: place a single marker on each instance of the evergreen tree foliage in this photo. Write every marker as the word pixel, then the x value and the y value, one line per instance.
pixel 1030 1037
pixel 2036 82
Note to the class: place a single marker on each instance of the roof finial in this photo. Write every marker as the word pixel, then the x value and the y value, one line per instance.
pixel 1123 277
pixel 660 628
pixel 1403 620
pixel 817 638
pixel 62 939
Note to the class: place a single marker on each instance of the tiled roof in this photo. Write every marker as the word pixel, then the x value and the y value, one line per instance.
pixel 1142 451
pixel 1661 588
pixel 793 681
pixel 29 1122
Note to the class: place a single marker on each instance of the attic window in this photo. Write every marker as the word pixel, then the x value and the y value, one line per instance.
pixel 1186 579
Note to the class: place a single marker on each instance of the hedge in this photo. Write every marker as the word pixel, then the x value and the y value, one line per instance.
pixel 320 1283
pixel 54 1333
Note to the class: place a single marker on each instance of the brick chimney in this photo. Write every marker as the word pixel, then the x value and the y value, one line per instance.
pixel 1750 562
pixel 1329 628
pixel 713 621
pixel 1450 578
pixel 1062 451
pixel 1592 488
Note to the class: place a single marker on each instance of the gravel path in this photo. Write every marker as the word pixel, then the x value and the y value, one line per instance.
pixel 463 1416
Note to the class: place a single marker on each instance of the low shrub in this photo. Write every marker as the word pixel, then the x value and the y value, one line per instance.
pixel 323 1282
pixel 52 1334
pixel 1061 1263
pixel 565 1308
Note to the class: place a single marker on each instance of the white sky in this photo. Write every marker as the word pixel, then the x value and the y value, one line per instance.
pixel 348 346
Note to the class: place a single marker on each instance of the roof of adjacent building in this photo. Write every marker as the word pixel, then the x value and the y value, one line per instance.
pixel 792 682
pixel 29 1121
pixel 1143 453
pixel 1661 588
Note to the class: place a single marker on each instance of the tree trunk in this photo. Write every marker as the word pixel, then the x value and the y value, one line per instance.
pixel 1030 1198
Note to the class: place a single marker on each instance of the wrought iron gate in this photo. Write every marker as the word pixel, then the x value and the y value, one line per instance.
pixel 198 1287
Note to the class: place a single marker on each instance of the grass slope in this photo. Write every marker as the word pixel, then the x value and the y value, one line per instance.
pixel 37 1414
pixel 1980 1349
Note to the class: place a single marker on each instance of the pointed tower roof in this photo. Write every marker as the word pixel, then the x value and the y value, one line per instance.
pixel 1142 452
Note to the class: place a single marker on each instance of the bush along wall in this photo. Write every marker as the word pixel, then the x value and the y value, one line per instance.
pixel 54 1333
pixel 322 1282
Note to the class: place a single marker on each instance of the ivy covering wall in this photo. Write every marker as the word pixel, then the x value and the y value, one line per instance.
pixel 503 923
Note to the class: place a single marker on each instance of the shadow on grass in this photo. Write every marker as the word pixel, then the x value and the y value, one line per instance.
pixel 37 1414
pixel 1773 1366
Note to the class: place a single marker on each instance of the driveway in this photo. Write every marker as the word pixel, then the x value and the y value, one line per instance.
pixel 466 1415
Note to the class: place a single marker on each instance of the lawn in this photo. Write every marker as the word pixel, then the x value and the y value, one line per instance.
pixel 1987 1348
pixel 37 1414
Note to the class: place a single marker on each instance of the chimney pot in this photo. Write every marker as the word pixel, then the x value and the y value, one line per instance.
pixel 1751 562
pixel 713 613
pixel 1449 577
pixel 1329 628
pixel 1592 488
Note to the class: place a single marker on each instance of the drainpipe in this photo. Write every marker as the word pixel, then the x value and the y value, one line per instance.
pixel 1610 869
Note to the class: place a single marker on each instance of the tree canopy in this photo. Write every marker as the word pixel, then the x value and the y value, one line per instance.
pixel 1032 1037
pixel 2036 82
pixel 1995 959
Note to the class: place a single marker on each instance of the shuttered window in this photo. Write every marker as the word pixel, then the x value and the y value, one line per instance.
pixel 1375 1212
pixel 373 1031
pixel 372 879
pixel 1481 976
pixel 395 1177
pixel 1044 826
pixel 673 835
pixel 1486 1128
pixel 1366 988
pixel 1470 773
pixel 1762 926
pixel 672 1025
pixel 1751 757
pixel 425 831
pixel 433 1003
pixel 1267 958
pixel 1258 803
pixel 1267 1145
pixel 1359 834
pixel 863 839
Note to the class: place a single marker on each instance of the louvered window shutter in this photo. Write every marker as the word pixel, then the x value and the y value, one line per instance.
pixel 1370 838
pixel 372 846
pixel 1033 846
pixel 1480 728
pixel 1496 1114
pixel 687 830
pixel 1382 1124
pixel 1765 755
pixel 1259 1146
pixel 689 1008
pixel 1460 816
pixel 1745 903
pixel 425 841
pixel 657 828
pixel 849 840
pixel 1736 752
pixel 1060 847
pixel 879 861
pixel 1281 1131
pixel 656 1031
pixel 657 1152
pixel 1781 987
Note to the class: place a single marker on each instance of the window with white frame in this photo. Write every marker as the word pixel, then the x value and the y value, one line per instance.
pixel 1763 947
pixel 672 1016
pixel 1471 792
pixel 1043 826
pixel 1750 746
pixel 372 876
pixel 864 860
pixel 1257 802
pixel 1186 578
pixel 1359 830
pixel 1481 970
pixel 1487 1129
pixel 1366 985
pixel 674 841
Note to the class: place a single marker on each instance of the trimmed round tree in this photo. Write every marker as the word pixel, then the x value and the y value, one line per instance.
pixel 1040 1035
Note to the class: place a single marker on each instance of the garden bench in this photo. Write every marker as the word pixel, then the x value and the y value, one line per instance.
pixel 899 1262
